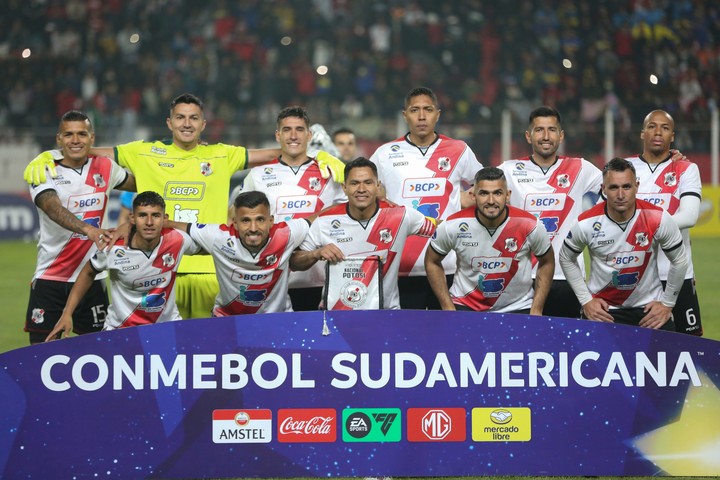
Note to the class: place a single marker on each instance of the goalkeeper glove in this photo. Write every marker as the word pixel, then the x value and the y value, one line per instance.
pixel 330 165
pixel 321 141
pixel 34 173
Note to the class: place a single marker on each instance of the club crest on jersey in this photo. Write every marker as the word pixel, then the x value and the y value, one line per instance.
pixel 641 239
pixel 511 245
pixel 443 164
pixel 314 184
pixel 168 260
pixel 99 180
pixel 670 179
pixel 206 169
pixel 270 259
pixel 563 180
pixel 38 315
pixel 385 235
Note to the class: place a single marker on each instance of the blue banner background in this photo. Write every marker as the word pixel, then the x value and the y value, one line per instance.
pixel 167 432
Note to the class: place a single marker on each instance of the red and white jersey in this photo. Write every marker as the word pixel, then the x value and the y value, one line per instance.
pixel 384 235
pixel 142 284
pixel 429 182
pixel 295 192
pixel 623 268
pixel 494 271
pixel 664 185
pixel 251 283
pixel 554 195
pixel 84 192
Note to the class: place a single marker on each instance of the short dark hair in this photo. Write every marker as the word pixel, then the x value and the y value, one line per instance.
pixel 359 163
pixel 187 98
pixel 342 130
pixel 489 173
pixel 148 199
pixel 294 111
pixel 545 111
pixel 251 200
pixel 417 91
pixel 618 164
pixel 76 116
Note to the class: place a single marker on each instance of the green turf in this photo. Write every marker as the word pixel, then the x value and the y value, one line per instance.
pixel 18 260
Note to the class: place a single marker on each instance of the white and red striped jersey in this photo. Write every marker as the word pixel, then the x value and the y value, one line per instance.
pixel 494 271
pixel 142 284
pixel 623 268
pixel 84 192
pixel 251 283
pixel 554 195
pixel 664 185
pixel 384 235
pixel 429 182
pixel 295 192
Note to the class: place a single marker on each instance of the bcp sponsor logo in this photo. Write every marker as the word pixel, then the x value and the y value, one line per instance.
pixel 501 424
pixel 147 283
pixel 89 202
pixel 436 425
pixel 306 425
pixel 423 187
pixel 242 426
pixel 661 200
pixel 193 191
pixel 295 204
pixel 625 259
pixel 487 265
pixel 535 202
pixel 371 425
pixel 251 278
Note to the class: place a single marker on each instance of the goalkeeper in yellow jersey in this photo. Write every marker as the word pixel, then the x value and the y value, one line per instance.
pixel 194 180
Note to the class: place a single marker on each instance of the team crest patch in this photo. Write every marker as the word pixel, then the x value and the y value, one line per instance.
pixel 168 260
pixel 38 315
pixel 511 245
pixel 670 179
pixel 443 164
pixel 641 239
pixel 206 169
pixel 99 180
pixel 353 294
pixel 386 235
pixel 563 180
pixel 270 259
pixel 314 184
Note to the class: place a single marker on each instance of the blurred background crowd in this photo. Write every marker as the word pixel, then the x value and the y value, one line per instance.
pixel 351 63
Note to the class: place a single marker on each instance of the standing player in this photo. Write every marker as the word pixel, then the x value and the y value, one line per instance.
pixel 494 243
pixel 553 189
pixel 363 226
pixel 194 180
pixel 624 236
pixel 72 208
pixel 251 256
pixel 296 189
pixel 675 186
pixel 346 144
pixel 142 271
pixel 427 172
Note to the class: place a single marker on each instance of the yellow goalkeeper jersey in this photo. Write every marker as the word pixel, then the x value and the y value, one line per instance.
pixel 195 184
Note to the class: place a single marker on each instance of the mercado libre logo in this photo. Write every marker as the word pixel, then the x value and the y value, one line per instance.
pixel 371 425
pixel 501 424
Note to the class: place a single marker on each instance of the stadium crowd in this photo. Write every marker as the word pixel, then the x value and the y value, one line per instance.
pixel 123 61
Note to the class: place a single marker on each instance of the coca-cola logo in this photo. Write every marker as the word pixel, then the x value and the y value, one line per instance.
pixel 307 425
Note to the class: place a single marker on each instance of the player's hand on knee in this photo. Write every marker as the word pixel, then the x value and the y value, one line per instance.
pixel 598 309
pixel 656 315
pixel 34 173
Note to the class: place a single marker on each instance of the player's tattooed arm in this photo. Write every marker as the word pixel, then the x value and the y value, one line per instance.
pixel 49 202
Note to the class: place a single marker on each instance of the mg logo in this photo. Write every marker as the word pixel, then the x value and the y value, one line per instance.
pixel 436 424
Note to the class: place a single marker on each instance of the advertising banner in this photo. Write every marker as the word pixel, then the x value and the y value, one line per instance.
pixel 362 393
